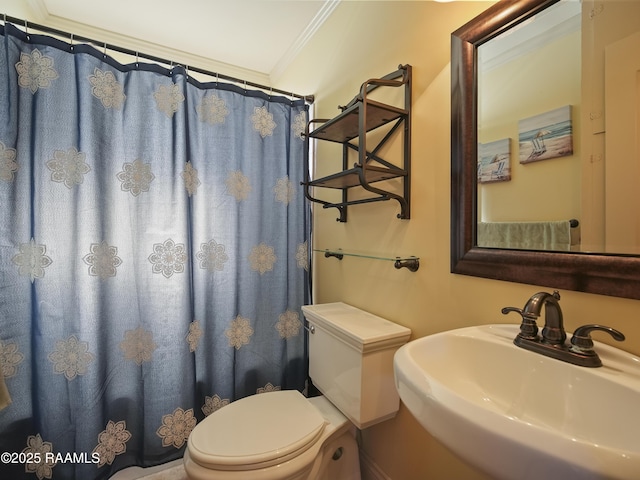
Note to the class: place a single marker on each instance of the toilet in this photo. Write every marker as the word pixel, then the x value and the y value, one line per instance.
pixel 282 435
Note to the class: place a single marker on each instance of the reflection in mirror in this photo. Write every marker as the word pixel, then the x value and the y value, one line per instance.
pixel 528 107
pixel 536 172
pixel 563 164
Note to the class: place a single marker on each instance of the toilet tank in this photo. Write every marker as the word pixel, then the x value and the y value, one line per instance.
pixel 351 360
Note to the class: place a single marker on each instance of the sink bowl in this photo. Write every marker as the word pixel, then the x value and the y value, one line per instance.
pixel 516 414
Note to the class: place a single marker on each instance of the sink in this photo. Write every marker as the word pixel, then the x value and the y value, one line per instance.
pixel 516 414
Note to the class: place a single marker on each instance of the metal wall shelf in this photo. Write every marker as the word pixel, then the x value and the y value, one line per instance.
pixel 350 128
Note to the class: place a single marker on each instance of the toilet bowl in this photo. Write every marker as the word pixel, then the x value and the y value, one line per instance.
pixel 283 435
pixel 290 438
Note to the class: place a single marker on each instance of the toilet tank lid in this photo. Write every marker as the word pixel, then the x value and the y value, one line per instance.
pixel 362 330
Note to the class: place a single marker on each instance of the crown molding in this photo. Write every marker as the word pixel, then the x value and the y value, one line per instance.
pixel 304 38
pixel 38 10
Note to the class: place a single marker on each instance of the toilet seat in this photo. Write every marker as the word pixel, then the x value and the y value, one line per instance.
pixel 256 432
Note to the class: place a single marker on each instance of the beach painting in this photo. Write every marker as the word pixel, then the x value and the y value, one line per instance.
pixel 494 161
pixel 546 136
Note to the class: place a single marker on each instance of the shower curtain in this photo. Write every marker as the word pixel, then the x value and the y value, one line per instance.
pixel 153 251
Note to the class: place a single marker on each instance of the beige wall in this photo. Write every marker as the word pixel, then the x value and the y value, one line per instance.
pixel 369 39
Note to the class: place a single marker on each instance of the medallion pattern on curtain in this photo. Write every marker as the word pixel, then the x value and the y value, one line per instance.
pixel 153 252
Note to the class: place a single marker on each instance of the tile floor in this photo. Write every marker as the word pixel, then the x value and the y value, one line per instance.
pixel 169 471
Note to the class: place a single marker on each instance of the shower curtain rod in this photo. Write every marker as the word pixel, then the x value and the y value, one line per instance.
pixel 42 28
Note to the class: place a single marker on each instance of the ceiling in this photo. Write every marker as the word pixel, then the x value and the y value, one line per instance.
pixel 252 39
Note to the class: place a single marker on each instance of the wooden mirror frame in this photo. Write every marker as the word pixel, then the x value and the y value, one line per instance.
pixel 615 275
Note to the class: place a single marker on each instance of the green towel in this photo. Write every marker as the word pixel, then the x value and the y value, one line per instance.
pixel 525 235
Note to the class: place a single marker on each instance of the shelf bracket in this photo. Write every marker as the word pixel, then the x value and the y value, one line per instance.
pixel 413 264
pixel 339 256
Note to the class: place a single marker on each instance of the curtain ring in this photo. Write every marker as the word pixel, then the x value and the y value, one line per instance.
pixel 245 86
pixel 71 41
pixel 104 53
pixel 26 29
pixel 137 64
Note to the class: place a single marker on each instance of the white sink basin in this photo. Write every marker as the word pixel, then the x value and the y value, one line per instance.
pixel 516 414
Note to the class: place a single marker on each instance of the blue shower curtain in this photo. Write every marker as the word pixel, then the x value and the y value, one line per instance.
pixel 153 251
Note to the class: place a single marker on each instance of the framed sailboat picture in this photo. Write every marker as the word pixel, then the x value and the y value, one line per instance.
pixel 494 161
pixel 545 136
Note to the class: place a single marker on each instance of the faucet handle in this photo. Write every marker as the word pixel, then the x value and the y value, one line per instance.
pixel 528 327
pixel 581 340
pixel 506 310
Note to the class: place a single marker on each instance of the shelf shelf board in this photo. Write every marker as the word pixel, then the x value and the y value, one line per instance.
pixel 351 178
pixel 345 126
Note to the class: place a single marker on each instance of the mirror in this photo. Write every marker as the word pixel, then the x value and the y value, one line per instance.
pixel 616 274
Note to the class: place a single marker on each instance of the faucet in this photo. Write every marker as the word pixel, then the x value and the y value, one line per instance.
pixel 552 341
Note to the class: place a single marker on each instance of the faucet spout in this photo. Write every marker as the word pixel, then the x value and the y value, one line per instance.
pixel 535 303
pixel 553 332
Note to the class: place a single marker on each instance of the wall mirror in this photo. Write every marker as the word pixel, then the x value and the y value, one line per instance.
pixel 606 257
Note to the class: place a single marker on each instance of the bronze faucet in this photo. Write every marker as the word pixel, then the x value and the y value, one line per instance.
pixel 552 342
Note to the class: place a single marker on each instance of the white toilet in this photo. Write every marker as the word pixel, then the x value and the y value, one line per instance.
pixel 284 436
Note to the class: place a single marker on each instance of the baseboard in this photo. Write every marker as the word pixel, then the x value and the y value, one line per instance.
pixel 369 470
